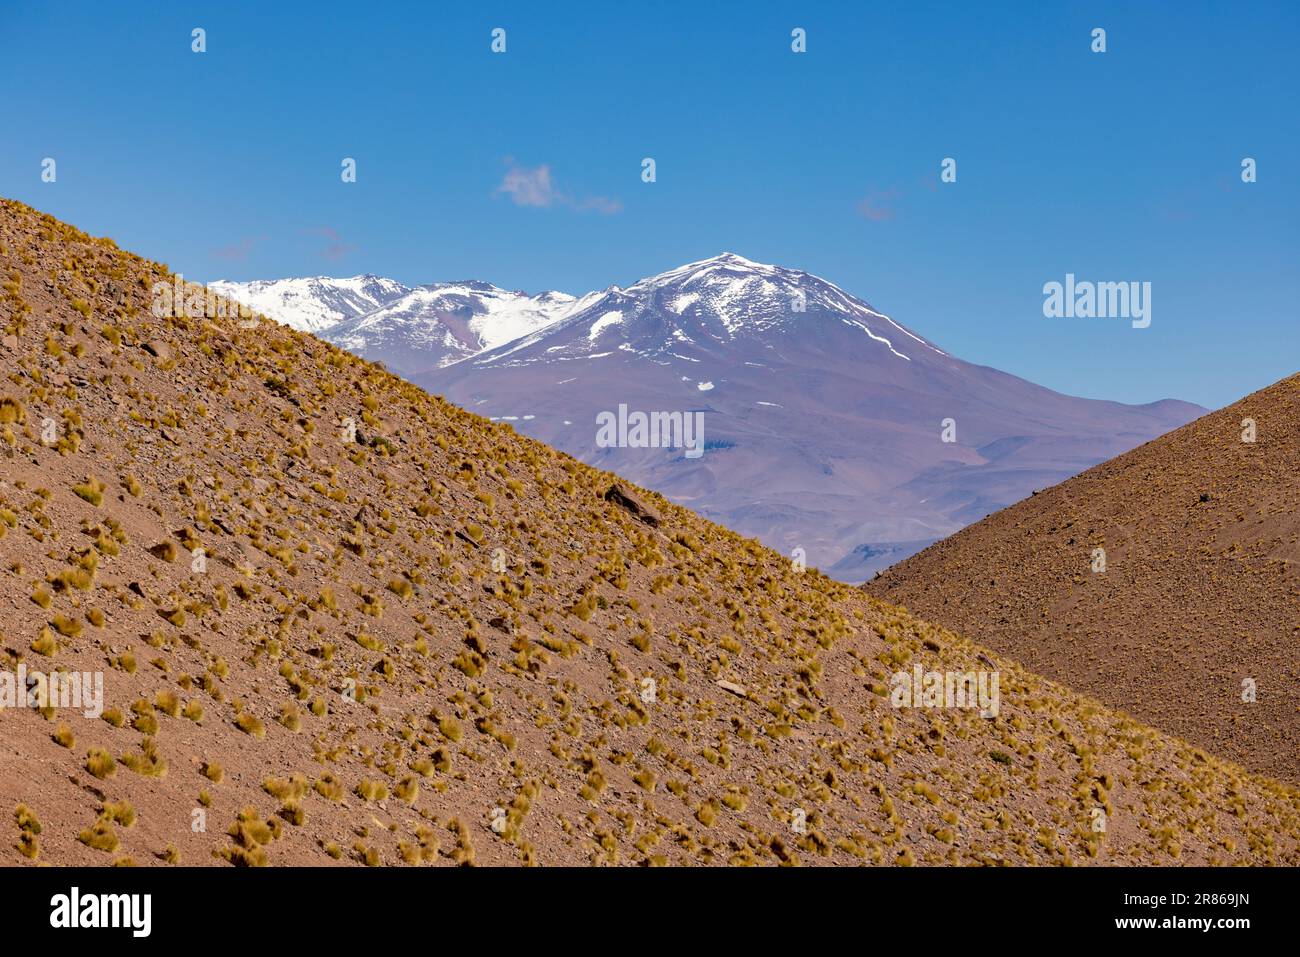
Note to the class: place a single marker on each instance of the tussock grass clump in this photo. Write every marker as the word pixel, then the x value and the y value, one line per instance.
pixel 28 829
pixel 11 411
pixel 408 789
pixel 463 853
pixel 145 721
pixel 100 836
pixel 166 551
pixel 290 717
pixel 168 703
pixel 369 790
pixel 250 834
pixel 329 787
pixel 422 767
pixel 63 736
pixel 100 763
pixel 45 644
pixel 119 812
pixel 91 490
pixel 148 762
pixel 26 819
pixel 292 788
pixel 250 724
pixel 450 729
pixel 67 627
pixel 707 812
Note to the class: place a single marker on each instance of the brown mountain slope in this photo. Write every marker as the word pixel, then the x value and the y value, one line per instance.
pixel 436 641
pixel 1201 588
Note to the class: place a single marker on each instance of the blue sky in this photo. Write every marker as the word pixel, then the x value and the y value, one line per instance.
pixel 1117 166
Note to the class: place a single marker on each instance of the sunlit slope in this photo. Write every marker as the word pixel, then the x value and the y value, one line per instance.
pixel 338 619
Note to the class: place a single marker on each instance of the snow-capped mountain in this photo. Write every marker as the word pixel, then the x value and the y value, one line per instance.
pixel 434 325
pixel 313 304
pixel 828 426
pixel 410 329
pixel 714 305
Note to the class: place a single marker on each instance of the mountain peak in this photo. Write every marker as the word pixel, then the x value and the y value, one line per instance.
pixel 733 265
pixel 736 258
pixel 474 285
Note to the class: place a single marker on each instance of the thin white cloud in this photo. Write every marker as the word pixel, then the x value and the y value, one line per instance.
pixel 535 187
pixel 529 187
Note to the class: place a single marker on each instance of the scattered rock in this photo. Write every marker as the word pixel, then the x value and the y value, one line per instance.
pixel 738 690
pixel 619 496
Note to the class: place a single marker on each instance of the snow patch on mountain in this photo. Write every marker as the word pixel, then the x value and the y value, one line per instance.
pixel 604 322
pixel 315 303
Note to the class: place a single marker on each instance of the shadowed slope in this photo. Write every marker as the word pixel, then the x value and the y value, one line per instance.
pixel 1201 590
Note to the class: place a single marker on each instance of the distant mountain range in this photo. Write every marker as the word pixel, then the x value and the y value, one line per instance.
pixel 409 329
pixel 828 426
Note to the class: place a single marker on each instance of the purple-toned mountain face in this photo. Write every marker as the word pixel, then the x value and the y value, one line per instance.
pixel 827 426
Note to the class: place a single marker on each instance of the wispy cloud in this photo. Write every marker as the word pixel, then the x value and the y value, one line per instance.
pixel 337 248
pixel 876 206
pixel 601 204
pixel 237 252
pixel 529 187
pixel 536 187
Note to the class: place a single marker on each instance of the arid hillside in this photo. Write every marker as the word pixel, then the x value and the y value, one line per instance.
pixel 340 620
pixel 1166 582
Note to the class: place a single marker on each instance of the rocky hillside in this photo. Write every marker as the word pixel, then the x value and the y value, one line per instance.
pixel 1166 582
pixel 339 620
